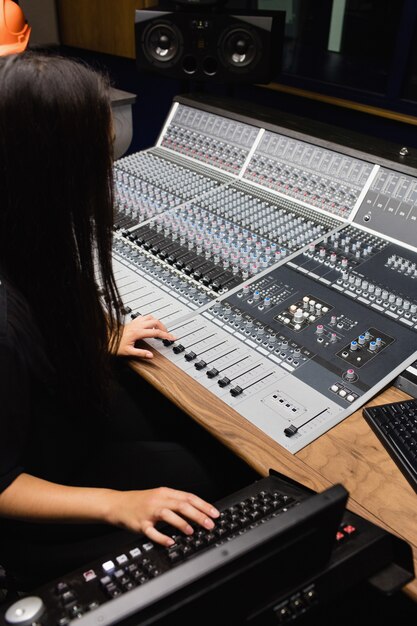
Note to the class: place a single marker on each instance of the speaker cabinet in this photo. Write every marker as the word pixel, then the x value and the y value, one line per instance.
pixel 216 47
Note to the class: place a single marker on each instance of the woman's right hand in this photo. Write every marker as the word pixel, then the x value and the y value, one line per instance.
pixel 33 499
pixel 139 511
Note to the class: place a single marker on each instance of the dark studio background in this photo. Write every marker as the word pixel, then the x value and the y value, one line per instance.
pixel 376 67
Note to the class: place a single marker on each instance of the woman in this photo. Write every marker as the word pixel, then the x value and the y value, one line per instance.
pixel 65 479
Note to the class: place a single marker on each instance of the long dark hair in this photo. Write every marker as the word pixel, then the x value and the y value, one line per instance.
pixel 56 212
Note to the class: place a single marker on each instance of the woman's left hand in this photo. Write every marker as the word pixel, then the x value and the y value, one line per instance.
pixel 142 328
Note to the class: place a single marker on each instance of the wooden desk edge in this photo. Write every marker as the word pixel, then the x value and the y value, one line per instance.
pixel 261 452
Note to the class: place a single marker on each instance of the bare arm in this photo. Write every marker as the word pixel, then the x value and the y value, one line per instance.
pixel 33 499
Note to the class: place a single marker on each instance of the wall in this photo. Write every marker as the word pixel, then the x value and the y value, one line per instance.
pixel 42 18
pixel 100 25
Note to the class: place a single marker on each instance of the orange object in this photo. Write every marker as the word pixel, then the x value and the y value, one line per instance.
pixel 14 29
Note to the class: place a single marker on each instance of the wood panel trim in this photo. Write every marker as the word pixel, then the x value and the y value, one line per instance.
pixel 341 102
pixel 100 25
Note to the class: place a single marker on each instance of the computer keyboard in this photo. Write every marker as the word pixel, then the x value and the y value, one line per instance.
pixel 395 425
pixel 271 523
pixel 278 551
pixel 148 561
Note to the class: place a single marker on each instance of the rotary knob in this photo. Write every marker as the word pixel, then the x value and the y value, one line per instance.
pixel 350 375
pixel 25 611
pixel 298 316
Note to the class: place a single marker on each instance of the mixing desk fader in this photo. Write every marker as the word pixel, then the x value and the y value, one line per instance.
pixel 219 251
pixel 216 141
pixel 285 264
pixel 147 287
pixel 312 174
pixel 289 354
pixel 148 183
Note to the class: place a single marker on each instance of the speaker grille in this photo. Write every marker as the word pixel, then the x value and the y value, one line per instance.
pixel 162 44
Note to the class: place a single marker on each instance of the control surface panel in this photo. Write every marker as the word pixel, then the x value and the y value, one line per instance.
pixel 286 266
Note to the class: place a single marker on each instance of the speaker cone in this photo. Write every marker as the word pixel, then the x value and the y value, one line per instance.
pixel 239 48
pixel 162 44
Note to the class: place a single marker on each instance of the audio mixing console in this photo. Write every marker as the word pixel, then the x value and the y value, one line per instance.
pixel 285 265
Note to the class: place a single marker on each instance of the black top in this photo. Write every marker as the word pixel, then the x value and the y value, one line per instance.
pixel 39 435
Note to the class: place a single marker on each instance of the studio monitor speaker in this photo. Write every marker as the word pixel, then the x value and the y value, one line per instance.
pixel 216 47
